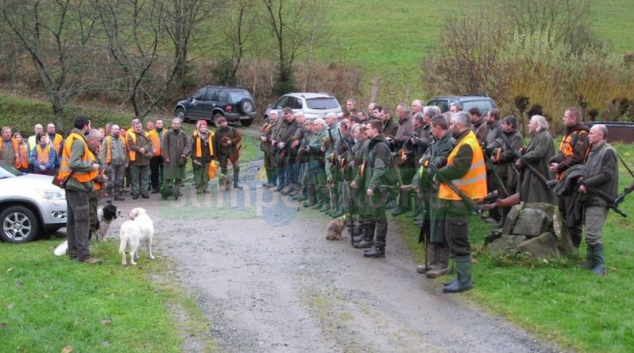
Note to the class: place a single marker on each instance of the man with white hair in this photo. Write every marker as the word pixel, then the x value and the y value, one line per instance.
pixel 466 171
pixel 417 106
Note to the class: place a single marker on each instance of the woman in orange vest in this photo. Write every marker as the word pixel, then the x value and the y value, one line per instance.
pixel 43 156
pixel 202 154
pixel 22 162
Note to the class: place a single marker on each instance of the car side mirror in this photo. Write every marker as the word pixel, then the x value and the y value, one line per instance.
pixel 271 106
pixel 193 100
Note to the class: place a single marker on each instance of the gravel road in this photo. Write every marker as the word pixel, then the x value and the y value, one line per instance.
pixel 268 281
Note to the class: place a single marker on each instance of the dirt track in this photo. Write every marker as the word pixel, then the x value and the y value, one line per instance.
pixel 267 279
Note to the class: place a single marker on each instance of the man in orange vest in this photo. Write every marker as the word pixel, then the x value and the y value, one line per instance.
pixel 78 166
pixel 466 170
pixel 156 162
pixel 573 150
pixel 55 140
pixel 8 147
pixel 140 152
pixel 114 153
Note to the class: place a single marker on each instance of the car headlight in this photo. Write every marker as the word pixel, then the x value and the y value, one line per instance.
pixel 53 195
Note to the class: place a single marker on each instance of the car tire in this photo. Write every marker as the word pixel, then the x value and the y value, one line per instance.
pixel 180 113
pixel 18 225
pixel 246 122
pixel 246 106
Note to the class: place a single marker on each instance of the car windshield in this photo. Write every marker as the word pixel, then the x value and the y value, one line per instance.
pixel 237 96
pixel 484 106
pixel 322 103
pixel 7 171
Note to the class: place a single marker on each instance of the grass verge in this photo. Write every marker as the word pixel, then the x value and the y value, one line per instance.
pixel 554 298
pixel 49 303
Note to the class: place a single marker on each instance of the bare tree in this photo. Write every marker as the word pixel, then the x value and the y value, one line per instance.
pixel 184 18
pixel 133 30
pixel 562 21
pixel 292 31
pixel 468 59
pixel 237 25
pixel 57 36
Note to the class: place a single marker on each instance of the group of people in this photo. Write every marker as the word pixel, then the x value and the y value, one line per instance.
pixel 438 165
pixel 442 167
pixel 93 163
pixel 38 154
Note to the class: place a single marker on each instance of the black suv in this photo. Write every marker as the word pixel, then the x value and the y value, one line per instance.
pixel 235 104
pixel 484 103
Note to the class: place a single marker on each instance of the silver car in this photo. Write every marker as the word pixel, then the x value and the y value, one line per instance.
pixel 313 105
pixel 30 205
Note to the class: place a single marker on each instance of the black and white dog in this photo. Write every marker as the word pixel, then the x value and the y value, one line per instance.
pixel 105 216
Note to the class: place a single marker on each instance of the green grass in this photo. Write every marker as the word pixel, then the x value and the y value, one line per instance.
pixel 555 299
pixel 48 303
pixel 381 36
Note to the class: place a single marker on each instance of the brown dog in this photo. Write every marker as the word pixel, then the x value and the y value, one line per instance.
pixel 335 227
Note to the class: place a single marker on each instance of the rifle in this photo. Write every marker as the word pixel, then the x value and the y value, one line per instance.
pixel 625 192
pixel 607 198
pixel 532 168
pixel 469 202
pixel 628 190
pixel 515 170
pixel 491 167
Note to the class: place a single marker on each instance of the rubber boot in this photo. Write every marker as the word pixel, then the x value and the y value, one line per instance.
pixel 431 260
pixel 589 264
pixel 441 267
pixel 463 280
pixel 368 236
pixel 599 260
pixel 236 178
pixel 310 196
pixel 415 206
pixel 359 232
pixel 400 209
pixel 118 194
pixel 320 200
pixel 375 252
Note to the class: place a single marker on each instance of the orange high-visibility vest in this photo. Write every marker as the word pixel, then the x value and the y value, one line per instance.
pixel 567 148
pixel 88 156
pixel 156 141
pixel 23 159
pixel 56 142
pixel 15 145
pixel 199 151
pixel 43 155
pixel 132 153
pixel 474 183
pixel 109 147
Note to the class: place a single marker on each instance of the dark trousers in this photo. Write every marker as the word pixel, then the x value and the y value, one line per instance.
pixel 156 172
pixel 457 233
pixel 379 220
pixel 77 224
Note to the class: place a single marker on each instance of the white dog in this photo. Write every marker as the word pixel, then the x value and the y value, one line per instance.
pixel 137 229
